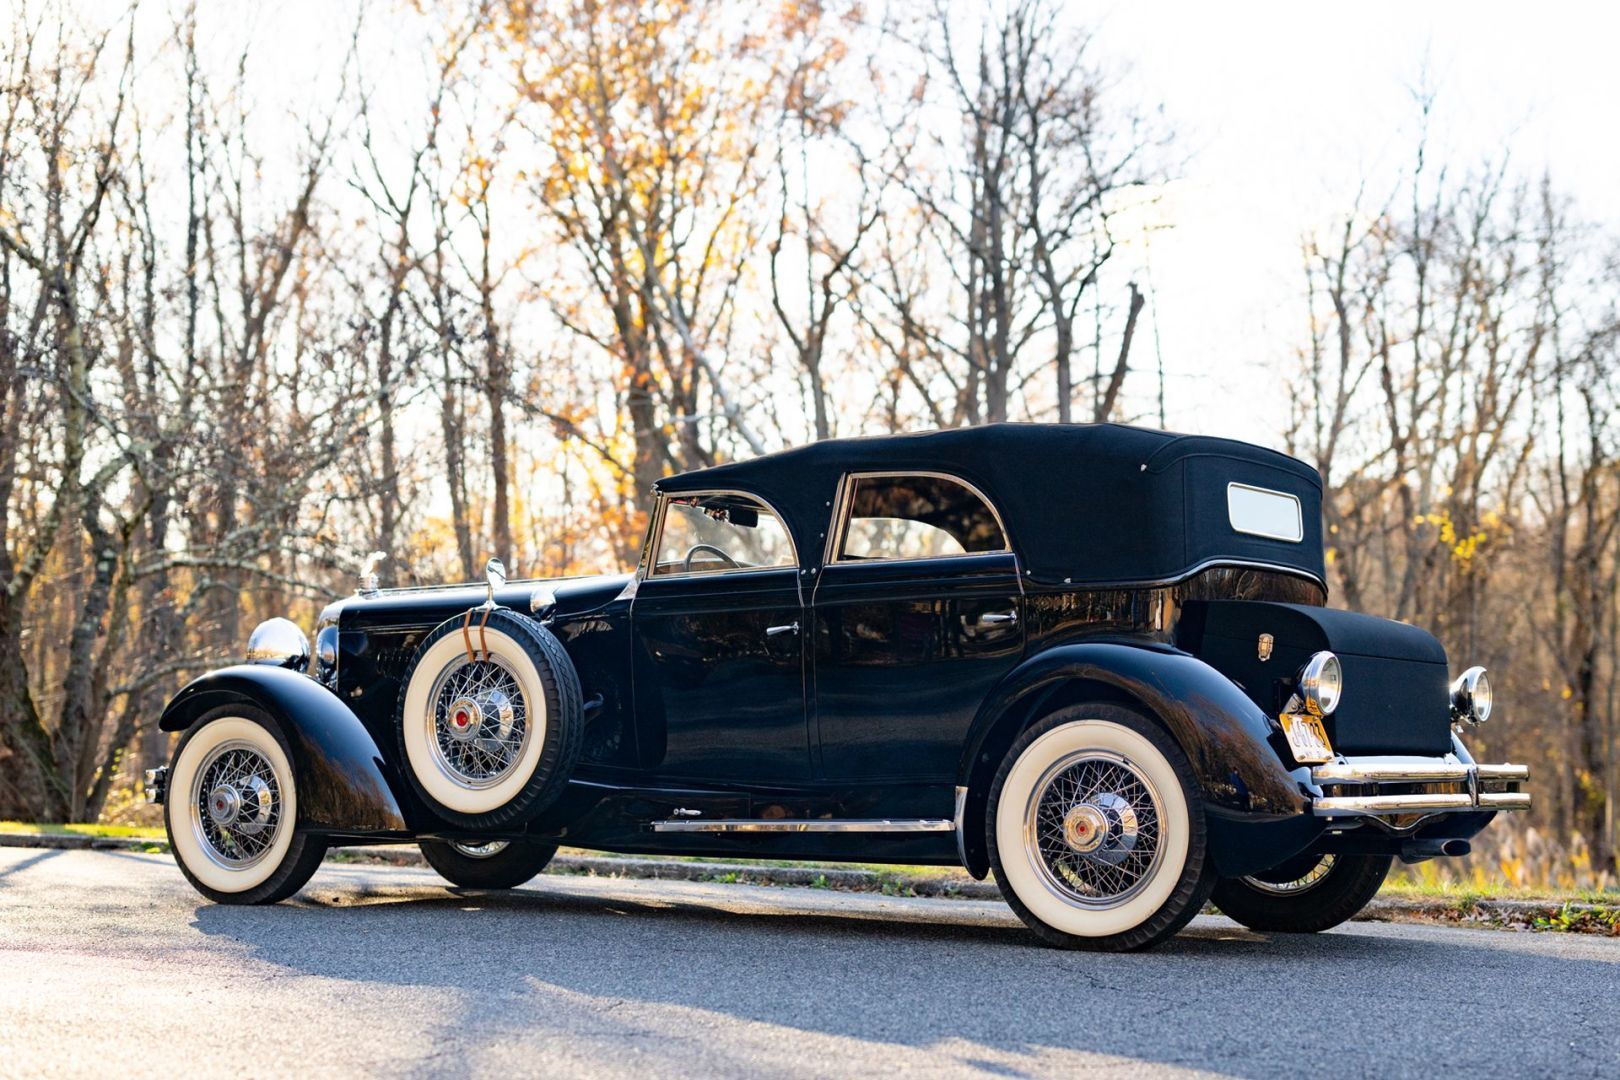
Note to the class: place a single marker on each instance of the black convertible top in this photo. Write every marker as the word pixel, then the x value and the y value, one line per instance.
pixel 1094 504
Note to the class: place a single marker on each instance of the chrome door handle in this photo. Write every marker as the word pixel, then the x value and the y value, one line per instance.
pixel 998 618
pixel 790 628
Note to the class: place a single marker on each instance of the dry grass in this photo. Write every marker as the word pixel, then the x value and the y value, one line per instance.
pixel 1512 862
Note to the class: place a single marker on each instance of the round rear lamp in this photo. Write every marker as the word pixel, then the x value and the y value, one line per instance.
pixel 1321 683
pixel 1471 696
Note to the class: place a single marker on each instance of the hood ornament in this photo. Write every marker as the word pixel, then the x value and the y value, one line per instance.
pixel 368 573
pixel 495 576
pixel 1266 642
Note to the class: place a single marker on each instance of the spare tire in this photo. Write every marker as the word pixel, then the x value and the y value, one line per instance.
pixel 488 735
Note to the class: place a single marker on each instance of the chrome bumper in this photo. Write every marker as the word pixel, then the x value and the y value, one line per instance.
pixel 157 784
pixel 1400 786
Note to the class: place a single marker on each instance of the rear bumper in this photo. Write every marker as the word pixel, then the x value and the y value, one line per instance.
pixel 1400 788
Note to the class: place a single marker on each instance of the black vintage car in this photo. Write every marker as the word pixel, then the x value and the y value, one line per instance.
pixel 1093 660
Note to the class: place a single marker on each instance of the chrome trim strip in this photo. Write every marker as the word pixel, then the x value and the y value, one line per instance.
pixel 1380 770
pixel 1361 805
pixel 1198 568
pixel 809 825
pixel 957 822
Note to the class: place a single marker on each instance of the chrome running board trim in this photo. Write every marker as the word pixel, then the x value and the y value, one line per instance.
pixel 809 825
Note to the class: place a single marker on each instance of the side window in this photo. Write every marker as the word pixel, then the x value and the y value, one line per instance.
pixel 706 534
pixel 916 517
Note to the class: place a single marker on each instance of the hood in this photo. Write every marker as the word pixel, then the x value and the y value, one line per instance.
pixel 432 605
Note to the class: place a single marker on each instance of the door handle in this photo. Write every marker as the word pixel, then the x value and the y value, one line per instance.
pixel 997 618
pixel 789 628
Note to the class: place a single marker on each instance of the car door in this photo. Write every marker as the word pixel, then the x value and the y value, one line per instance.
pixel 719 655
pixel 916 615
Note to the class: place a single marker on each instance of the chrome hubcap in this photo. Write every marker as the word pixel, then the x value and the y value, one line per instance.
pixel 481 851
pixel 1084 828
pixel 236 805
pixel 1093 829
pixel 479 721
pixel 224 804
pixel 490 712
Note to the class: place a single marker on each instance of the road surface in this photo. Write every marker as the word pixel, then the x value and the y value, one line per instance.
pixel 110 965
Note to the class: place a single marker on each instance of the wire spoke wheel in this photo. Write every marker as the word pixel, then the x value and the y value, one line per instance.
pixel 237 807
pixel 1307 881
pixel 478 720
pixel 1093 828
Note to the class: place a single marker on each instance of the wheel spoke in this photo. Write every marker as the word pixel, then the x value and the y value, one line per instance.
pixel 1093 829
pixel 493 730
pixel 226 808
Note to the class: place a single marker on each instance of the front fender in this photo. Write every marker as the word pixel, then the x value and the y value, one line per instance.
pixel 343 785
pixel 1257 812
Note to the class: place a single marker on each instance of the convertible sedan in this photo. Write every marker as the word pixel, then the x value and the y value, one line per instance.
pixel 1092 660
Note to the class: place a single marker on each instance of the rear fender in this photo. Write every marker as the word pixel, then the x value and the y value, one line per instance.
pixel 343 785
pixel 1257 812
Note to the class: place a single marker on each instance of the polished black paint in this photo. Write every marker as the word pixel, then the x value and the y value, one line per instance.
pixel 1253 797
pixel 1395 675
pixel 720 696
pixel 894 691
pixel 903 657
pixel 344 784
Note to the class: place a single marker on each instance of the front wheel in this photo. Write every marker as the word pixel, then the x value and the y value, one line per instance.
pixel 1096 830
pixel 498 864
pixel 1305 895
pixel 232 810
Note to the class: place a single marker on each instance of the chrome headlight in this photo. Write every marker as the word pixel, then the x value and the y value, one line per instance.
pixel 326 654
pixel 279 641
pixel 1471 696
pixel 1321 683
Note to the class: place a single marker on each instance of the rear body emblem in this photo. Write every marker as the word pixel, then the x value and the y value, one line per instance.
pixel 1266 642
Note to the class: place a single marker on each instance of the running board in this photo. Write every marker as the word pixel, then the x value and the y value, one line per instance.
pixel 811 825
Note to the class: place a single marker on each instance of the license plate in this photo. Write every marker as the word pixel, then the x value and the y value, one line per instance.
pixel 1307 738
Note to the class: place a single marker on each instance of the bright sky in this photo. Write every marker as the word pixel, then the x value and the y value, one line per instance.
pixel 1286 108
pixel 1282 110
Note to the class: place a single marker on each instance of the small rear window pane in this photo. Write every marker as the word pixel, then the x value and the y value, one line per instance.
pixel 1262 512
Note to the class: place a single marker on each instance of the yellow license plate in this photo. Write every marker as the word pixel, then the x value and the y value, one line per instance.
pixel 1307 738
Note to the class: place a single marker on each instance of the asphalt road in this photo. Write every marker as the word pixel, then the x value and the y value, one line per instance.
pixel 110 965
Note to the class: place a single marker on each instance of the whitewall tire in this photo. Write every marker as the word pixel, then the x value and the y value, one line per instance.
pixel 232 810
pixel 1096 830
pixel 489 738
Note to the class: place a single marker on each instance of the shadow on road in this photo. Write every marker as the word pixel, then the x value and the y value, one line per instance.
pixel 32 860
pixel 1224 998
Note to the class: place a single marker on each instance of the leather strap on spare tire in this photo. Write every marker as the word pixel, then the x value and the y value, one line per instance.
pixel 489 719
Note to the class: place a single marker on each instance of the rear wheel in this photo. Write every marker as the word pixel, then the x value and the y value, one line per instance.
pixel 498 864
pixel 232 810
pixel 1304 895
pixel 1096 830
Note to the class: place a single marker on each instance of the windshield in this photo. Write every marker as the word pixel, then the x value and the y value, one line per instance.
pixel 708 534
